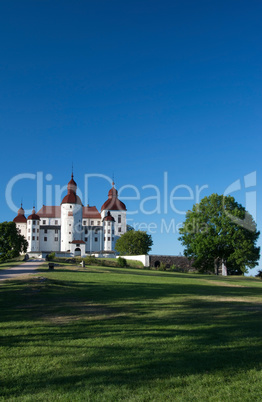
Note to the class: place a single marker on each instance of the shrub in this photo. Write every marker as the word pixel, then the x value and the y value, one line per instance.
pixel 50 257
pixel 121 262
pixel 90 260
pixel 162 267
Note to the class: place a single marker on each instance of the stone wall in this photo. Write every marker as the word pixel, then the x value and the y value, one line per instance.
pixel 180 262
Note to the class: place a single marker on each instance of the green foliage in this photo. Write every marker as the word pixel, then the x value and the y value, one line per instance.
pixel 50 257
pixel 90 260
pixel 162 267
pixel 134 243
pixel 121 262
pixel 259 274
pixel 11 242
pixel 220 228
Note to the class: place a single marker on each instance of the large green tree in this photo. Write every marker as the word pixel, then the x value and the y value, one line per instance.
pixel 134 243
pixel 220 229
pixel 11 242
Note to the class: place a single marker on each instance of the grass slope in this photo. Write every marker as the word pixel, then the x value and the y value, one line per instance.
pixel 111 334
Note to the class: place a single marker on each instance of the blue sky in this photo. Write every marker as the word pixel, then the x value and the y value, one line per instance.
pixel 144 90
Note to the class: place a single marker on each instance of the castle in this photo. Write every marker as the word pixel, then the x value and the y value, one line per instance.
pixel 74 229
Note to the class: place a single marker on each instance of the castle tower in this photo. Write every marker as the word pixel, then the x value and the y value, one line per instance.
pixel 117 210
pixel 71 217
pixel 21 222
pixel 33 226
pixel 109 232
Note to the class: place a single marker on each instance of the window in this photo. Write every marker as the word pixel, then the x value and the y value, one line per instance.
pixel 96 239
pixel 69 224
pixel 119 230
pixel 56 230
pixel 119 218
pixel 70 206
pixel 29 230
pixel 33 222
pixel 86 239
pixel 108 238
pixel 45 238
pixel 33 230
pixel 92 223
pixel 37 230
pixel 69 232
pixel 37 238
pixel 108 231
pixel 28 237
pixel 56 222
pixel 84 222
pixel 86 231
pixel 33 238
pixel 56 238
pixel 44 222
pixel 98 223
pixel 45 231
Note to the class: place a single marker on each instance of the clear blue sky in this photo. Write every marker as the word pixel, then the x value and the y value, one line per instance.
pixel 134 88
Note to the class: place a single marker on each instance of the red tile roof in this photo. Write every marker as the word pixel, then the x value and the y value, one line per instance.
pixel 77 242
pixel 49 212
pixel 20 219
pixel 71 198
pixel 109 217
pixel 33 216
pixel 91 212
pixel 113 203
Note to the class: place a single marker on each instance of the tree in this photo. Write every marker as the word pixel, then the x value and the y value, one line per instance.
pixel 134 243
pixel 11 242
pixel 220 229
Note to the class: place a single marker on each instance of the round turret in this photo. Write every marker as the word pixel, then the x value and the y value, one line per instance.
pixel 71 197
pixel 113 203
pixel 20 218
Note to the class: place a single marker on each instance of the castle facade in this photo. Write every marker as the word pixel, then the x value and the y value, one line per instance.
pixel 73 228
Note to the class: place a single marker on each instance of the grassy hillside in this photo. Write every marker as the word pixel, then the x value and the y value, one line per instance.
pixel 111 334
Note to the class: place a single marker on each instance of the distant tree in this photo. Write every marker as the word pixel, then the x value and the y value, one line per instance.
pixel 220 229
pixel 259 274
pixel 11 242
pixel 134 243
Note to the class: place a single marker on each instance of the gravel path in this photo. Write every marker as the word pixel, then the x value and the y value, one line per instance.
pixel 27 268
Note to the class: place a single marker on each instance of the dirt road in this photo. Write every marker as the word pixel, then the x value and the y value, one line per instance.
pixel 27 268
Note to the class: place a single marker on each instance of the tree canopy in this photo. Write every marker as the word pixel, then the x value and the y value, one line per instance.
pixel 134 243
pixel 11 242
pixel 220 228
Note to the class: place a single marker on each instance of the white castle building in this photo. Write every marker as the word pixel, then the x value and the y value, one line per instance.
pixel 73 229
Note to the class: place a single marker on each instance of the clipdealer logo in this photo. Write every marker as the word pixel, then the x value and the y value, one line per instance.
pixel 162 201
pixel 250 182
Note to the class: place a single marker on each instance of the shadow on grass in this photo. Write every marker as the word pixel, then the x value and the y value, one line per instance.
pixel 152 338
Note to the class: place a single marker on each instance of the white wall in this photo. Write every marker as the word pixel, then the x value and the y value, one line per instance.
pixel 143 258
pixel 51 244
pixel 71 224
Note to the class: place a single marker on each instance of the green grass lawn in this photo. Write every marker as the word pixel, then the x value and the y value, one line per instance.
pixel 111 334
